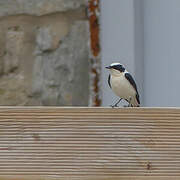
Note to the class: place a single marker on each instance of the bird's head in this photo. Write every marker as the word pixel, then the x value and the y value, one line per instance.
pixel 116 69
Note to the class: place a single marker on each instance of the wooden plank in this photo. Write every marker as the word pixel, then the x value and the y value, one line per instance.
pixel 89 143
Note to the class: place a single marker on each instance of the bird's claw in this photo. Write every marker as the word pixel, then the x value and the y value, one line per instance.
pixel 116 104
pixel 113 106
pixel 129 105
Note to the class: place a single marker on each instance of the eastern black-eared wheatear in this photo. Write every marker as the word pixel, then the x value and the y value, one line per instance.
pixel 123 85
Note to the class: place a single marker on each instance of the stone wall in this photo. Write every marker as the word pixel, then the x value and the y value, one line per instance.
pixel 44 52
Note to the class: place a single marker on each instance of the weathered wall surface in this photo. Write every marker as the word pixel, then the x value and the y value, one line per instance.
pixel 44 52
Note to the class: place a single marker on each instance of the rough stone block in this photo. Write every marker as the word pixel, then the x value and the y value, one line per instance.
pixel 14 46
pixel 38 7
pixel 44 52
pixel 61 77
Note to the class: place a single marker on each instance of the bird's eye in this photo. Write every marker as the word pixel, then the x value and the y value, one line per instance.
pixel 119 68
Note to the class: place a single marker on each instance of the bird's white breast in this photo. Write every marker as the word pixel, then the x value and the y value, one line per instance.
pixel 122 87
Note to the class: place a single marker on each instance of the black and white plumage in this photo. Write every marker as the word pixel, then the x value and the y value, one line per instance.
pixel 123 84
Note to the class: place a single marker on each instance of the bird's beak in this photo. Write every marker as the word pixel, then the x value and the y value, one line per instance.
pixel 108 67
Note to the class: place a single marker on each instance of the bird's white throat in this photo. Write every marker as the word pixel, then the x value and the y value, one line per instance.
pixel 115 72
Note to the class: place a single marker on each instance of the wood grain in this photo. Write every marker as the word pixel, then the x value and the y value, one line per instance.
pixel 89 143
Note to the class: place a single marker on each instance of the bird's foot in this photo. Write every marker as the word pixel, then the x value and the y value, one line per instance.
pixel 129 102
pixel 129 105
pixel 114 106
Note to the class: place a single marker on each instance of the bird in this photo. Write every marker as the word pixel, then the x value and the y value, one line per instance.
pixel 123 85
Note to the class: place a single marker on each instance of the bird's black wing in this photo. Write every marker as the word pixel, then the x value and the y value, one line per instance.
pixel 132 82
pixel 109 80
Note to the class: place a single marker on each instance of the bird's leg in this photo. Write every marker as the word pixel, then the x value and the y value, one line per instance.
pixel 127 102
pixel 116 104
pixel 130 105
